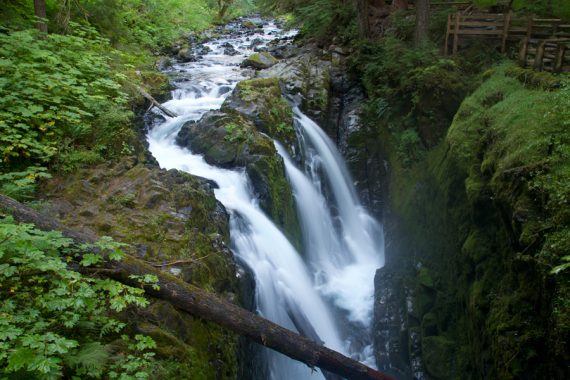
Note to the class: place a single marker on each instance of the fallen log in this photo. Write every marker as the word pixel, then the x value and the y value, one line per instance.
pixel 199 303
pixel 156 104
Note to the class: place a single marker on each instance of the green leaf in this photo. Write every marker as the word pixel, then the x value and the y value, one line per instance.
pixel 90 259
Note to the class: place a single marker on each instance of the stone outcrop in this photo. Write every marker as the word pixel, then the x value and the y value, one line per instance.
pixel 173 221
pixel 259 61
pixel 241 135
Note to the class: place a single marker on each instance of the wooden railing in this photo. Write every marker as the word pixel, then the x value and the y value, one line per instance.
pixel 548 54
pixel 506 27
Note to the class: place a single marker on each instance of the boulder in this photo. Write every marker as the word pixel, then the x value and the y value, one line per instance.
pixel 229 49
pixel 306 78
pixel 225 139
pixel 259 61
pixel 261 101
pixel 185 54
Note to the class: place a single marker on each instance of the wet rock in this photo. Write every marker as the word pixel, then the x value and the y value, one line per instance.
pixel 229 49
pixel 259 61
pixel 283 51
pixel 203 50
pixel 261 101
pixel 225 139
pixel 390 325
pixel 185 55
pixel 248 24
pixel 306 78
pixel 233 138
pixel 256 43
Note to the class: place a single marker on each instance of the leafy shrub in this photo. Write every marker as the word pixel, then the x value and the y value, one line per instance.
pixel 409 147
pixel 534 79
pixel 58 95
pixel 54 320
pixel 21 185
pixel 416 84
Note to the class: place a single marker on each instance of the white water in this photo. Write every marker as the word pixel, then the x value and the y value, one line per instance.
pixel 344 248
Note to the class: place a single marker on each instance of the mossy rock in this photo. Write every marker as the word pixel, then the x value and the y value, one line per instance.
pixel 438 353
pixel 261 101
pixel 306 77
pixel 165 216
pixel 248 24
pixel 483 212
pixel 259 61
pixel 425 278
pixel 270 183
pixel 229 138
pixel 225 139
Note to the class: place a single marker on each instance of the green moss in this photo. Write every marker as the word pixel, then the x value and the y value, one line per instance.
pixel 487 212
pixel 476 246
pixel 278 202
pixel 438 353
pixel 275 113
pixel 166 217
pixel 425 278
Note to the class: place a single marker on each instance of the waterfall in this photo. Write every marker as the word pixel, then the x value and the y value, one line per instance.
pixel 346 247
pixel 342 241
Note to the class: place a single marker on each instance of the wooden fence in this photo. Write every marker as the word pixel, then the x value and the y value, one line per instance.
pixel 546 36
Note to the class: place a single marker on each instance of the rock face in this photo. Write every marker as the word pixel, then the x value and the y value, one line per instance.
pixel 306 79
pixel 241 135
pixel 171 219
pixel 258 61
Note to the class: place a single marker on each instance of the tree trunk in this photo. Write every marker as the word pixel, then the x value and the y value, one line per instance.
pixel 154 103
pixel 421 36
pixel 40 11
pixel 206 305
pixel 399 5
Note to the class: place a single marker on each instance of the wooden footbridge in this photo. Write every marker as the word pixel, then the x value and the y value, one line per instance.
pixel 544 44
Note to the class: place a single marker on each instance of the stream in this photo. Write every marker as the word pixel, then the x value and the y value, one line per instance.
pixel 326 295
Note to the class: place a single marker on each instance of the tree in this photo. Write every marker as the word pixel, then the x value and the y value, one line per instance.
pixel 40 11
pixel 223 6
pixel 421 35
pixel 399 4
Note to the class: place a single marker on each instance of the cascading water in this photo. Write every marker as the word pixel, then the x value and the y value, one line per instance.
pixel 344 246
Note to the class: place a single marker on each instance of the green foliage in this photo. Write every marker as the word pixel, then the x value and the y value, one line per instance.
pixel 319 18
pixel 558 8
pixel 54 320
pixel 151 24
pixel 58 95
pixel 409 147
pixel 21 185
pixel 534 79
pixel 418 86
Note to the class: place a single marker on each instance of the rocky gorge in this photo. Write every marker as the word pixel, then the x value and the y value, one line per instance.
pixel 454 225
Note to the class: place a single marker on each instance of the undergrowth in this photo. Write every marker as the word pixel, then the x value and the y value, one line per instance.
pixel 54 321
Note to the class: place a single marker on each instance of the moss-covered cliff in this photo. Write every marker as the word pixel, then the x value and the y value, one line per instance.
pixel 475 229
pixel 172 220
